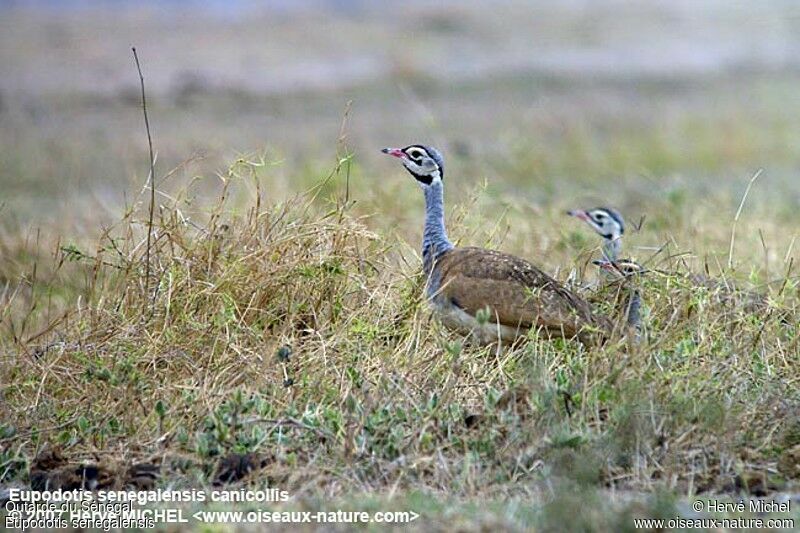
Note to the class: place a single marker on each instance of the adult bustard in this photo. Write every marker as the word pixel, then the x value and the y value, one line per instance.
pixel 489 294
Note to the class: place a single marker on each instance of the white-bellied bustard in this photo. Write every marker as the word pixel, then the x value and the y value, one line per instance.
pixel 609 224
pixel 513 295
pixel 623 273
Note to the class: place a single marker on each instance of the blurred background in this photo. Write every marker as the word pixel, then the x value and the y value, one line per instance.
pixel 609 101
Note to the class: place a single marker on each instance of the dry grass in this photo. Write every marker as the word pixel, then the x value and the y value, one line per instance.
pixel 372 396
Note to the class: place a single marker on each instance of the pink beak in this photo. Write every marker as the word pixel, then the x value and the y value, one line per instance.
pixel 579 213
pixel 396 152
pixel 608 266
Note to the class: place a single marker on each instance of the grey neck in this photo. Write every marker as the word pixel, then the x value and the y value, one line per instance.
pixel 434 237
pixel 612 247
pixel 633 310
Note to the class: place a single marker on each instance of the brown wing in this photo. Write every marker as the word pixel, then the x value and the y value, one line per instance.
pixel 516 292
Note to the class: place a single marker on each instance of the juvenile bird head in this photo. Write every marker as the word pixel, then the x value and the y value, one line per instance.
pixel 623 268
pixel 425 163
pixel 607 222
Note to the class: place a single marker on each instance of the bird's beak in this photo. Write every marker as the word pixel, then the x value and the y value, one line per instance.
pixel 579 213
pixel 396 152
pixel 606 265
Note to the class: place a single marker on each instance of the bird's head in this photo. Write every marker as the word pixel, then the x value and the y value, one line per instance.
pixel 622 268
pixel 607 222
pixel 425 163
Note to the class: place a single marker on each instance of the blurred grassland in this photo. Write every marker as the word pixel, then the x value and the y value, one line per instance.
pixel 538 99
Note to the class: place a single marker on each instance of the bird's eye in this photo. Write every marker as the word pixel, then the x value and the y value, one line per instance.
pixel 415 154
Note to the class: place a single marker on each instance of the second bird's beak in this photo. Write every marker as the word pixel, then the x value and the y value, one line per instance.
pixel 396 152
pixel 579 213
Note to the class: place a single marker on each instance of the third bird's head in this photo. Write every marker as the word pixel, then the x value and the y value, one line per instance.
pixel 425 163
pixel 622 268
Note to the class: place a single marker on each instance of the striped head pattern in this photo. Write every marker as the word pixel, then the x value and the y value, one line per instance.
pixel 606 221
pixel 425 163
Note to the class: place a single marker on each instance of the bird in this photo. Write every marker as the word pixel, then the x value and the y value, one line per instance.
pixel 490 295
pixel 608 223
pixel 625 271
